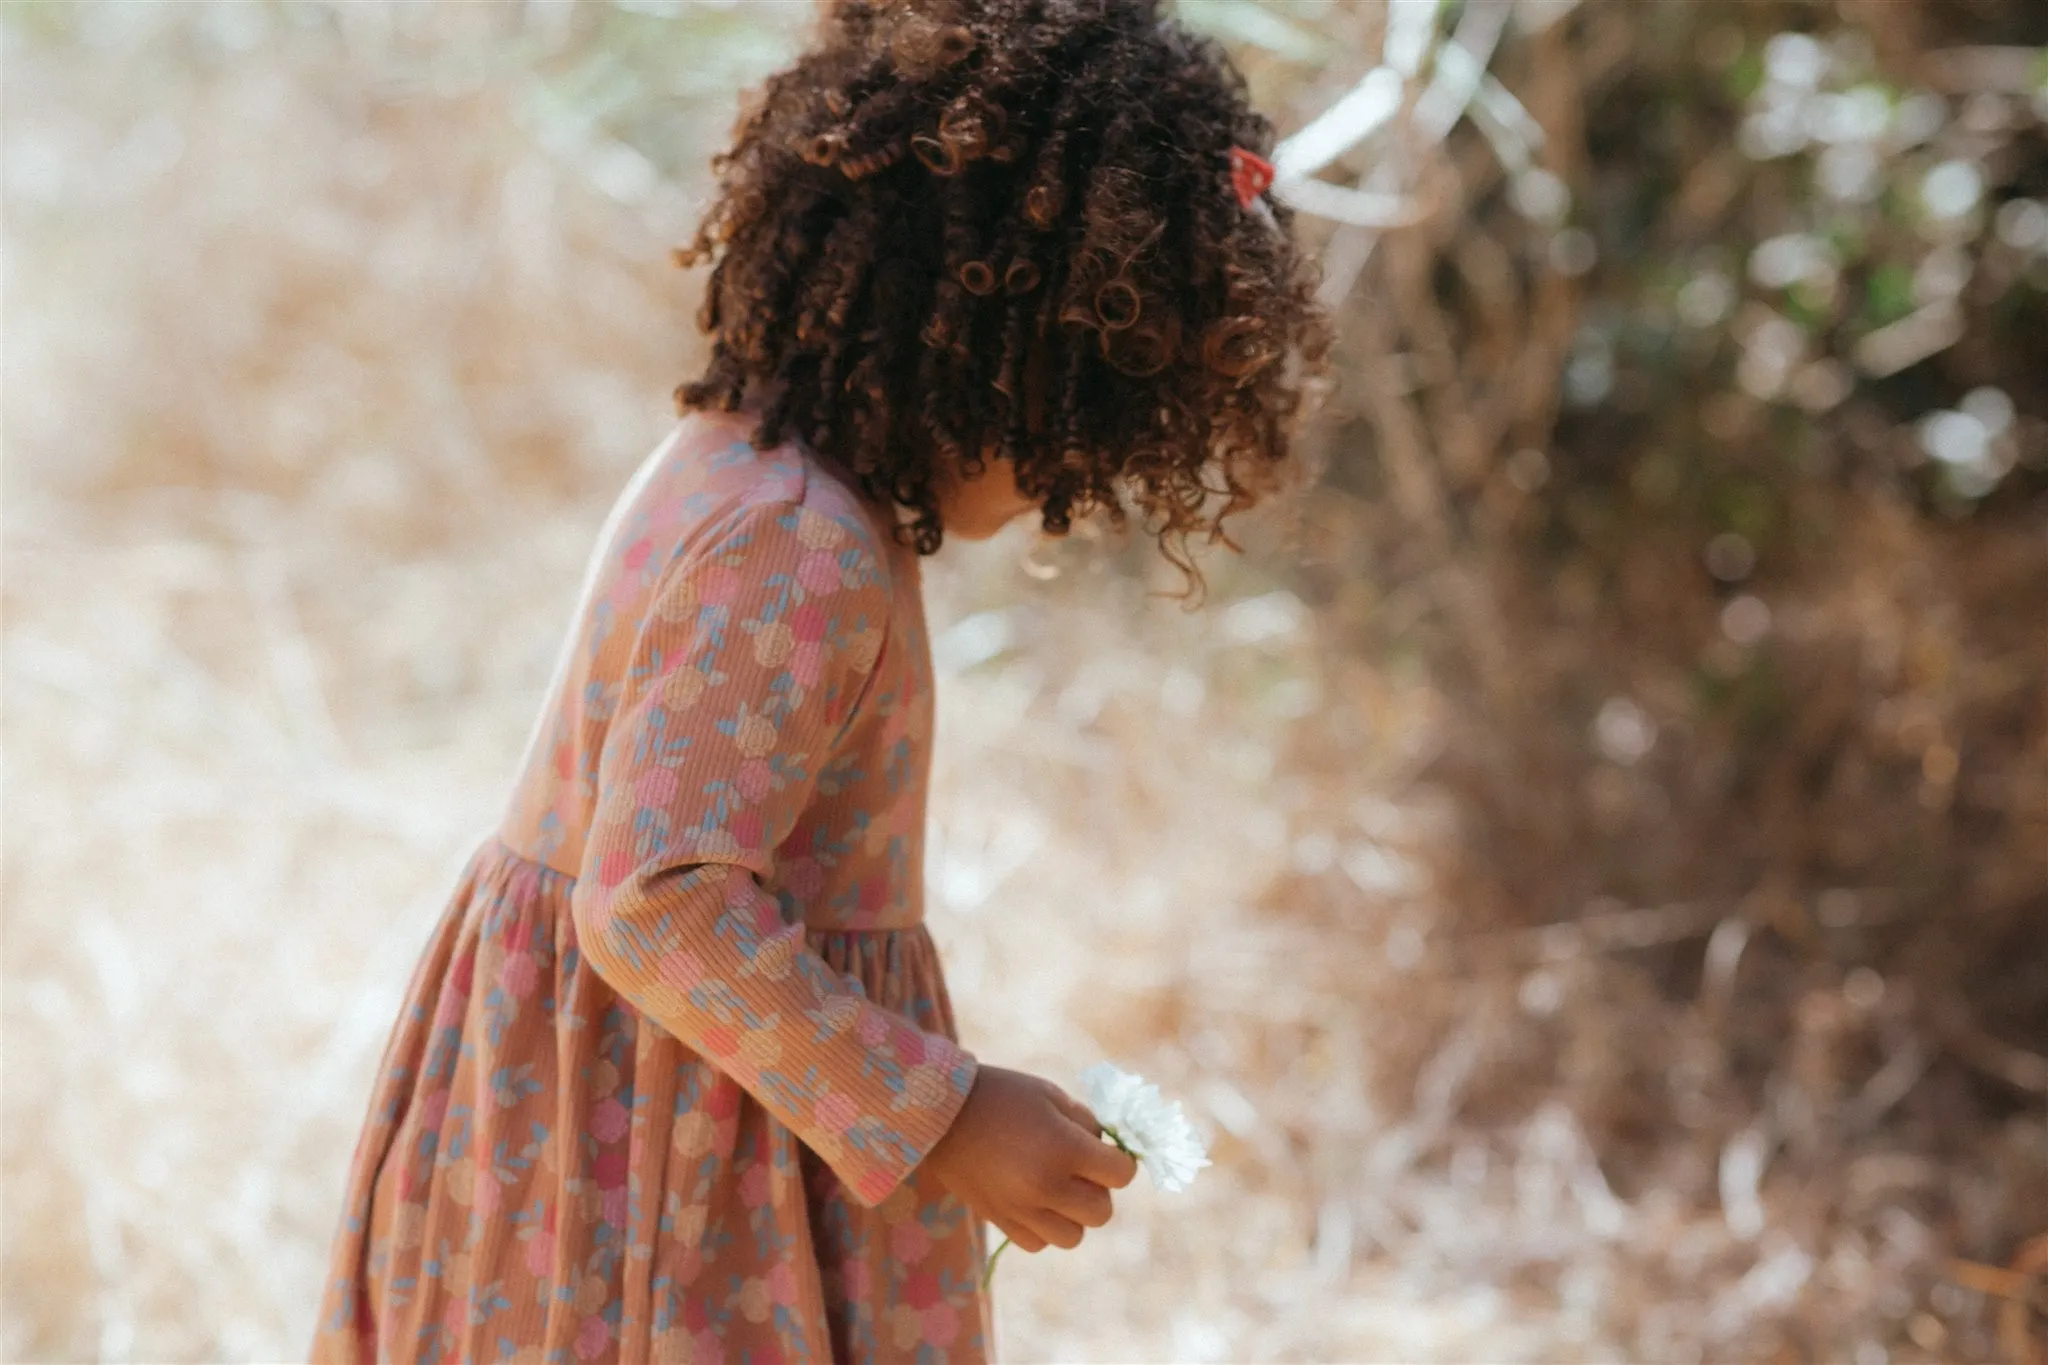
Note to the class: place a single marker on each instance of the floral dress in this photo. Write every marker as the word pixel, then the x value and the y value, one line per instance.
pixel 663 1079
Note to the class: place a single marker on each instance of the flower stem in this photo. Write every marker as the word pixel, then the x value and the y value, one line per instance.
pixel 988 1271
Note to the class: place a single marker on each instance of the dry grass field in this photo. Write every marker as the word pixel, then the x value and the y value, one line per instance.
pixel 328 338
pixel 321 370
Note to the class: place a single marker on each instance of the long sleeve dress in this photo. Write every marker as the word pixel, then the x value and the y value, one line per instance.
pixel 664 1076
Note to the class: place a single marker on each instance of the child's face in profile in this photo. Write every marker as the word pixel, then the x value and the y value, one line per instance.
pixel 977 508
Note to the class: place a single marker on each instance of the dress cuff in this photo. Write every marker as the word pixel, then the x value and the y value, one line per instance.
pixel 889 1098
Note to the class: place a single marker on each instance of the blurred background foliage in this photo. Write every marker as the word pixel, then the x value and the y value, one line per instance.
pixel 1603 917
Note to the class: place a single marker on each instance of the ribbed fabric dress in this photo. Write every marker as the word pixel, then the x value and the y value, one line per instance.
pixel 665 1073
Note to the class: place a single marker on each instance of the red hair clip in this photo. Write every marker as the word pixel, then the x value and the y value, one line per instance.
pixel 1251 175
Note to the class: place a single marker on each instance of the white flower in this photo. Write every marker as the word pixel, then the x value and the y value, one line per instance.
pixel 1156 1132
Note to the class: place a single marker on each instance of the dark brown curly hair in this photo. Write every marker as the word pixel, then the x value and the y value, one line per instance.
pixel 958 230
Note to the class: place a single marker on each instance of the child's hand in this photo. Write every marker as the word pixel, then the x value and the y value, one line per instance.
pixel 1028 1157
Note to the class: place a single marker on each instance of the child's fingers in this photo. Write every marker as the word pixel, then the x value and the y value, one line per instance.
pixel 1020 1234
pixel 1075 1110
pixel 1058 1229
pixel 1084 1201
pixel 1108 1166
pixel 1094 1159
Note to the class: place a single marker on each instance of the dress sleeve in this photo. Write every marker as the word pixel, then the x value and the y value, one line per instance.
pixel 753 661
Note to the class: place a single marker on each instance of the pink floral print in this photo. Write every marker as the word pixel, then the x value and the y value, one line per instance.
pixel 666 1072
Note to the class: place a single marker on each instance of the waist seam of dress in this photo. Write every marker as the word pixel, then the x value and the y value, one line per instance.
pixel 497 840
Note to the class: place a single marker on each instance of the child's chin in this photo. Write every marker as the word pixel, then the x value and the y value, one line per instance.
pixel 977 531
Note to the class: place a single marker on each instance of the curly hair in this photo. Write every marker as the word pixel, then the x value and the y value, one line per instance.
pixel 963 230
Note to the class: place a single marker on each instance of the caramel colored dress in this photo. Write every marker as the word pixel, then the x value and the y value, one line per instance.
pixel 665 1073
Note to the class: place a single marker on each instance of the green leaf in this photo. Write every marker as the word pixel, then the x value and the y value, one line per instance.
pixel 1808 307
pixel 1746 74
pixel 1889 295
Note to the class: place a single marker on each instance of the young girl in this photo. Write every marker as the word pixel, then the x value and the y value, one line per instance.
pixel 676 1079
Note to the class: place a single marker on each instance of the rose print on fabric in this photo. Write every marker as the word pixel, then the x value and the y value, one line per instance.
pixel 672 1057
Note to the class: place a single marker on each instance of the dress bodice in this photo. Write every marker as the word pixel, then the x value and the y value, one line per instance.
pixel 853 859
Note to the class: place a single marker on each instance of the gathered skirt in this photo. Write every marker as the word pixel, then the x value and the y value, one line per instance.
pixel 548 1177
